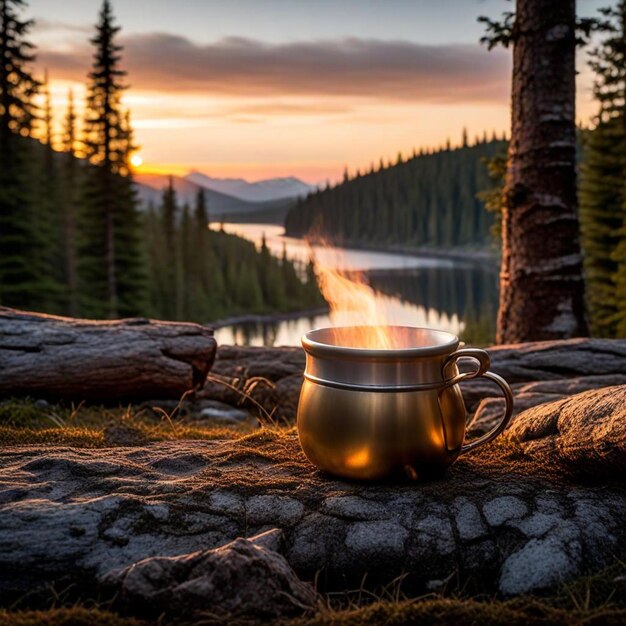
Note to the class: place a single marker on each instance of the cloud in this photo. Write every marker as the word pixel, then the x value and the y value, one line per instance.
pixel 42 25
pixel 396 70
pixel 268 109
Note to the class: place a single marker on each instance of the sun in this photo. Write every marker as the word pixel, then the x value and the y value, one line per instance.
pixel 136 160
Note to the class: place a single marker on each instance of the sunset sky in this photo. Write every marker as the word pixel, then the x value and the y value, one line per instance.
pixel 264 88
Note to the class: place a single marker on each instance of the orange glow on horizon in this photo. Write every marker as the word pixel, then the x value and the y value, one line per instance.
pixel 212 135
pixel 313 173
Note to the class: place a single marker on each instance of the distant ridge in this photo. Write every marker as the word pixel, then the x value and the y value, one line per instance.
pixel 222 207
pixel 186 192
pixel 259 191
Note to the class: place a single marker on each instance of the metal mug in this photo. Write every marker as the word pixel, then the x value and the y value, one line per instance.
pixel 372 413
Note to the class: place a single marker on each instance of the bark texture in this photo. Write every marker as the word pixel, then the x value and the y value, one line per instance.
pixel 541 282
pixel 511 515
pixel 56 357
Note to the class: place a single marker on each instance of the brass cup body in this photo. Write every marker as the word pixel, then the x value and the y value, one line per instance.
pixel 370 414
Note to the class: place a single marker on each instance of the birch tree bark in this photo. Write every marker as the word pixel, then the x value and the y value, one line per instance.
pixel 542 288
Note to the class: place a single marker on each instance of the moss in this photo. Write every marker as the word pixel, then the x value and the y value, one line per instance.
pixel 25 422
pixel 504 452
pixel 28 422
pixel 79 437
pixel 450 612
pixel 425 611
pixel 74 616
pixel 22 412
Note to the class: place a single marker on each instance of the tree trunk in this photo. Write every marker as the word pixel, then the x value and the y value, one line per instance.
pixel 542 289
pixel 69 236
pixel 57 357
pixel 110 247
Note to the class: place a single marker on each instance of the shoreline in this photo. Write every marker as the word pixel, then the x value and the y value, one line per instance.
pixel 485 257
pixel 268 318
pixel 475 255
pixel 480 255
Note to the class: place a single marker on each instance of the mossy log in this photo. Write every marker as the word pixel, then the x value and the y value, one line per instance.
pixel 44 356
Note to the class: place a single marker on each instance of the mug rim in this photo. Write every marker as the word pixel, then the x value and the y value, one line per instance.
pixel 320 348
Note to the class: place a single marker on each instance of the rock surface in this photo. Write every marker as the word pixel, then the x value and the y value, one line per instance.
pixel 528 395
pixel 586 432
pixel 510 514
pixel 246 578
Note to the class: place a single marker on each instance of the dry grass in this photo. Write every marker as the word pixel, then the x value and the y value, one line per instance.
pixel 505 454
pixel 23 421
pixel 73 616
pixel 595 600
pixel 452 612
pixel 26 422
pixel 598 600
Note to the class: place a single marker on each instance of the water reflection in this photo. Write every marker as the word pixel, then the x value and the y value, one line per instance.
pixel 278 333
pixel 461 290
pixel 459 297
pixel 289 332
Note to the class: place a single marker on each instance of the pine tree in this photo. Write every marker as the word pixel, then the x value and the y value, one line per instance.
pixel 157 261
pixel 492 197
pixel 48 215
pixel 172 304
pixel 70 175
pixel 247 289
pixel 105 142
pixel 19 278
pixel 602 193
pixel 189 269
pixel 270 282
pixel 130 256
pixel 601 199
pixel 209 285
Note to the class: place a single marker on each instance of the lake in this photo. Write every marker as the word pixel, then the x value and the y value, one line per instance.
pixel 454 295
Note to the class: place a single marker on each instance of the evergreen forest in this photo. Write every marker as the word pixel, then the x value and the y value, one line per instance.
pixel 430 199
pixel 202 274
pixel 602 191
pixel 74 239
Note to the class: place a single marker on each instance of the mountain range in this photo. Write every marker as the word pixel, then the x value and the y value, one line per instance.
pixel 260 191
pixel 228 199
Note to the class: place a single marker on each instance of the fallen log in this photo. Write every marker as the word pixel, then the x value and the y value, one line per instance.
pixel 510 515
pixel 45 356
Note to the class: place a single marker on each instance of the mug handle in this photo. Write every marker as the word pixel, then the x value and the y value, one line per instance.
pixel 481 357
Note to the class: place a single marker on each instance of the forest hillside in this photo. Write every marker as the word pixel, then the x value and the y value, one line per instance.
pixel 430 199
